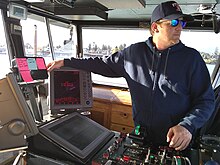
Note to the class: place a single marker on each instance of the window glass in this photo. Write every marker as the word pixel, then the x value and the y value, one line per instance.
pixel 216 83
pixel 35 36
pixel 206 42
pixel 99 42
pixel 4 58
pixel 64 40
pixel 102 42
pixel 36 39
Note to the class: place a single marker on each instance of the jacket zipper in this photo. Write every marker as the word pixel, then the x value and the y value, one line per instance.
pixel 155 79
pixel 156 71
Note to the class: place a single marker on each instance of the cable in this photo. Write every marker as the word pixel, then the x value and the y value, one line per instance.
pixel 177 160
pixel 18 157
pixel 187 159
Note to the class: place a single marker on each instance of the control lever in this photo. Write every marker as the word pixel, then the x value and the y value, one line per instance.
pixel 138 135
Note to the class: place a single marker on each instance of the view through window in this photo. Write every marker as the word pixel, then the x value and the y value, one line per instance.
pixel 101 42
pixel 36 38
pixel 96 42
pixel 4 58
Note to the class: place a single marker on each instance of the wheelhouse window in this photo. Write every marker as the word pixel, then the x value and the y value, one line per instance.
pixel 64 39
pixel 206 42
pixel 4 58
pixel 98 42
pixel 36 36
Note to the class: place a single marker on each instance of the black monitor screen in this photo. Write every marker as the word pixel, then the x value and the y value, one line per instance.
pixel 77 132
pixel 67 88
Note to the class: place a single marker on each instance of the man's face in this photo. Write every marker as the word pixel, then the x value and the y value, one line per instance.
pixel 168 33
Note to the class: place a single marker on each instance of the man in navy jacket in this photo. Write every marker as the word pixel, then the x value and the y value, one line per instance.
pixel 170 85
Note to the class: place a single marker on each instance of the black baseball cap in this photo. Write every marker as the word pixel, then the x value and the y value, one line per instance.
pixel 169 10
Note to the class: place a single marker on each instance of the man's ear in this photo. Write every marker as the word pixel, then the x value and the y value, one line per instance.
pixel 154 27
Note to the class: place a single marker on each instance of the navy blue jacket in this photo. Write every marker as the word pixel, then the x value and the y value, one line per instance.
pixel 167 88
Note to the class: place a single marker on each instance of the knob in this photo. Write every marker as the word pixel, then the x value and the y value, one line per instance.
pixel 16 127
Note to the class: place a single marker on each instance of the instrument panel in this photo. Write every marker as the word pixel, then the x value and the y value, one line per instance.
pixel 124 150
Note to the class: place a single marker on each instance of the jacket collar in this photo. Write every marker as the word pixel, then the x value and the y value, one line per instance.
pixel 173 48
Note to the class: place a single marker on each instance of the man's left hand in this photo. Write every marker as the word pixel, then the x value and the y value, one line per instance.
pixel 178 137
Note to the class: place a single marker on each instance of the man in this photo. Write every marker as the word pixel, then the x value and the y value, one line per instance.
pixel 170 86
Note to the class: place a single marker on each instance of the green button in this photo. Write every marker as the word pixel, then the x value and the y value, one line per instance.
pixel 137 130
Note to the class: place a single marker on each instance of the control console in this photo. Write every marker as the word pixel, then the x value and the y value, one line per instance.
pixel 124 151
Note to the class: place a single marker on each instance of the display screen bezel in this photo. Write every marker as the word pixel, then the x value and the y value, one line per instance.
pixel 89 149
pixel 85 88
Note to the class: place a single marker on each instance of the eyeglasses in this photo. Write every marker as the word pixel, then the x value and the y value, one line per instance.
pixel 175 22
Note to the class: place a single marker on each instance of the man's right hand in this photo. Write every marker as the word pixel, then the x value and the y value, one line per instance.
pixel 178 137
pixel 55 65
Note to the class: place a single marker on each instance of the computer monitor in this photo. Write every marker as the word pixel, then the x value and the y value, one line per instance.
pixel 72 137
pixel 16 120
pixel 69 89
